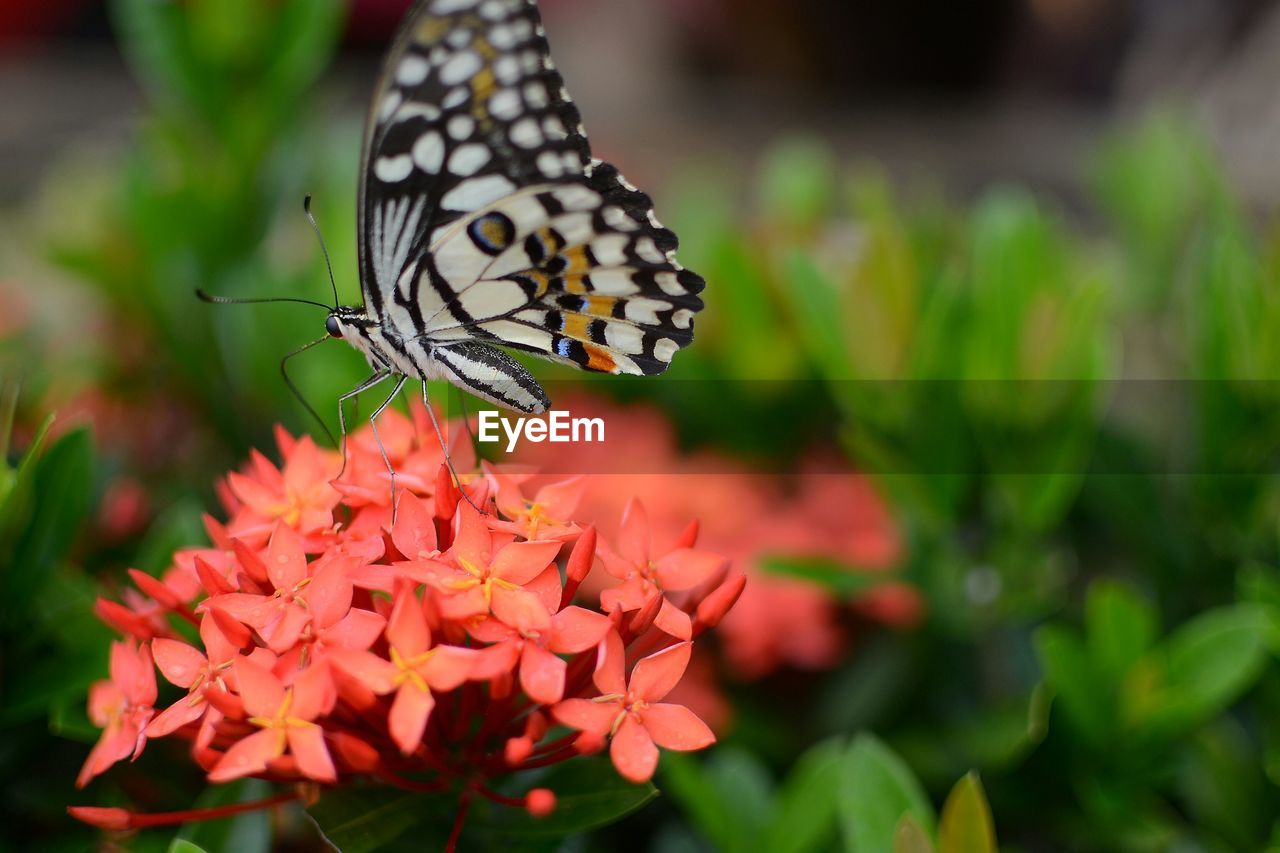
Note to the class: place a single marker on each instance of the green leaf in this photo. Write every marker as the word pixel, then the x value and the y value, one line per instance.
pixel 180 845
pixel 1084 698
pixel 910 837
pixel 1120 627
pixel 817 312
pixel 966 825
pixel 729 796
pixel 798 181
pixel 1208 663
pixel 245 833
pixel 804 816
pixel 589 794
pixel 61 486
pixel 839 579
pixel 876 790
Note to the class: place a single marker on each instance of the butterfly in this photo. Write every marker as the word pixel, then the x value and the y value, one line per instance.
pixel 486 225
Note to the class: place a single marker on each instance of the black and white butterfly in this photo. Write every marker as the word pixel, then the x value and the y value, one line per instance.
pixel 484 221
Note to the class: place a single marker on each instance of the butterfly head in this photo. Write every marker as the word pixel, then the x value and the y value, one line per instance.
pixel 343 322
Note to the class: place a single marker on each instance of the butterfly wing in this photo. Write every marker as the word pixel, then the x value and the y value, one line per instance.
pixel 468 109
pixel 484 217
pixel 564 272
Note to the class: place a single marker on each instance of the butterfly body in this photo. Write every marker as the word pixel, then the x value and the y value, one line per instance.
pixel 485 222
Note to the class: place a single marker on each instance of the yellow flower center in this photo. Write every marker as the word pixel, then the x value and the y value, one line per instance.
pixel 409 669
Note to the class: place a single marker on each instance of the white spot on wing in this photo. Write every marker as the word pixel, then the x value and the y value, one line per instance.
pixel 463 66
pixel 624 338
pixel 428 152
pixel 665 349
pixel 444 7
pixel 462 126
pixel 549 164
pixel 412 71
pixel 393 170
pixel 505 104
pixel 477 192
pixel 526 134
pixel 468 159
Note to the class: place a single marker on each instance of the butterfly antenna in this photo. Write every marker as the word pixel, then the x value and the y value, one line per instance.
pixel 227 300
pixel 284 371
pixel 315 226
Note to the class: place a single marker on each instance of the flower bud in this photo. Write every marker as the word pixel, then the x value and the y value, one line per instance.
pixel 517 750
pixel 540 802
pixel 155 589
pixel 689 537
pixel 112 819
pixel 211 579
pixel 645 616
pixel 721 600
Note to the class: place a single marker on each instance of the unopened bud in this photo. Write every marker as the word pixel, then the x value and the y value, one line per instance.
pixel 155 588
pixel 689 537
pixel 540 802
pixel 715 606
pixel 517 750
pixel 645 616
pixel 103 818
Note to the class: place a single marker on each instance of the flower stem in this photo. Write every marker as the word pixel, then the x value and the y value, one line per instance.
pixel 464 804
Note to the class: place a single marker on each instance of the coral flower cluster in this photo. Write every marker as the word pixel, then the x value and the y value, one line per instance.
pixel 324 638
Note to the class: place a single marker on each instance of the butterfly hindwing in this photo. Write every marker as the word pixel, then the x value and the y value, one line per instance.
pixel 570 276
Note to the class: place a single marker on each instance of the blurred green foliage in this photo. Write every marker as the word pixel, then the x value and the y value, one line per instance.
pixel 1074 417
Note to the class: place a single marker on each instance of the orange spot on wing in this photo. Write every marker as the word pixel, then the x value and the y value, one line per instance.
pixel 599 359
pixel 575 326
pixel 601 306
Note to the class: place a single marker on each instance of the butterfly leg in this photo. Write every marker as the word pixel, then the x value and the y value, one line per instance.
pixel 372 382
pixel 373 424
pixel 448 459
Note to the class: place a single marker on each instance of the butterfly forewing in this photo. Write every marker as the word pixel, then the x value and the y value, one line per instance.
pixel 483 217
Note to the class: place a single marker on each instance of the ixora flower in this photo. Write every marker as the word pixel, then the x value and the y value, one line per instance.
pixel 323 640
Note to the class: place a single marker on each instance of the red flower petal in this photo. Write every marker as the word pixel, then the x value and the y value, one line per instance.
pixel 496 661
pixel 286 560
pixel 576 629
pixel 519 609
pixel 329 595
pixel 261 692
pixel 471 540
pixel 658 674
pixel 585 715
pixel 676 727
pixel 633 533
pixel 359 629
pixel 633 752
pixel 408 719
pixel 248 756
pixel 415 530
pixel 610 675
pixel 131 669
pixel 521 562
pixel 370 670
pixel 560 500
pixel 686 568
pixel 542 675
pixel 448 667
pixel 176 716
pixel 407 628
pixel 313 693
pixel 179 663
pixel 306 744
